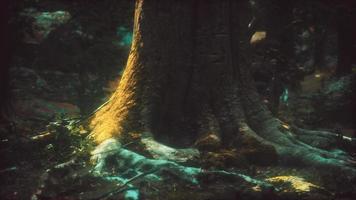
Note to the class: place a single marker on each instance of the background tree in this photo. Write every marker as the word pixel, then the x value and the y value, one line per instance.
pixel 6 53
pixel 346 39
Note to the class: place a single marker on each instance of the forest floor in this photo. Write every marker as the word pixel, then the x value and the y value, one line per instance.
pixel 56 164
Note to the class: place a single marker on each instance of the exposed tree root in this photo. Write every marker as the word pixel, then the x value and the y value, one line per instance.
pixel 292 151
pixel 317 150
pixel 322 139
pixel 128 163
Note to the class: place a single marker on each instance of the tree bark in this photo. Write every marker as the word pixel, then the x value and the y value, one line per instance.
pixel 185 79
pixel 178 78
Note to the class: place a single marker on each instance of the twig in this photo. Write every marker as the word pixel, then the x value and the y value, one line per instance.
pixel 96 110
pixel 80 119
pixel 9 169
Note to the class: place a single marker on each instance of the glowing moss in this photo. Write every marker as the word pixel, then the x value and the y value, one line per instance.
pixel 132 194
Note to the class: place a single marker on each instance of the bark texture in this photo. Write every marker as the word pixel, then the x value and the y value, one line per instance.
pixel 185 80
pixel 6 54
pixel 181 77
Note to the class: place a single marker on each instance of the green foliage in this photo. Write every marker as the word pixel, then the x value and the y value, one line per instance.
pixel 68 139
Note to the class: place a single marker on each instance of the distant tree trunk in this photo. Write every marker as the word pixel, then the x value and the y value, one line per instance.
pixel 6 54
pixel 346 40
pixel 320 21
pixel 278 45
pixel 184 80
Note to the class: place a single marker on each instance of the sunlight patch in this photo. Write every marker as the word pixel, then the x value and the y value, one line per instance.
pixel 297 184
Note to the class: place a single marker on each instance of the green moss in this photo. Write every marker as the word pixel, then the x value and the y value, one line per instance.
pixel 132 194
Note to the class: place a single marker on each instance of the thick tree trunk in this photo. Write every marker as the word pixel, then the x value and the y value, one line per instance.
pixel 184 80
pixel 181 74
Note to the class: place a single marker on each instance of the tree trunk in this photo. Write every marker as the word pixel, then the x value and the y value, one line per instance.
pixel 346 41
pixel 180 72
pixel 185 79
pixel 6 53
